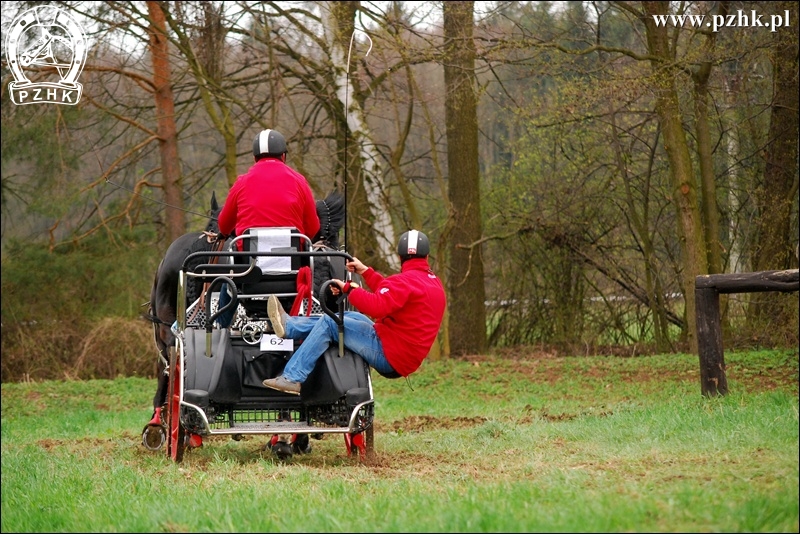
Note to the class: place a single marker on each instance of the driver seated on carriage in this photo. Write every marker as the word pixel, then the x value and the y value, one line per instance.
pixel 270 194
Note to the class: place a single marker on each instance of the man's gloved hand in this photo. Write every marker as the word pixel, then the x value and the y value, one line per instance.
pixel 342 287
pixel 349 286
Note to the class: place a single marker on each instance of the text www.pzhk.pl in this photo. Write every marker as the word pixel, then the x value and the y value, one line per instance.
pixel 741 19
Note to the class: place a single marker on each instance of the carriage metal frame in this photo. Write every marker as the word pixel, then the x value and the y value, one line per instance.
pixel 211 389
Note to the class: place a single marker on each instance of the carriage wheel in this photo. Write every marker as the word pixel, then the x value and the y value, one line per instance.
pixel 176 434
pixel 369 445
pixel 356 444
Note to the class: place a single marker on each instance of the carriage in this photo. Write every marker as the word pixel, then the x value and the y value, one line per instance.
pixel 215 374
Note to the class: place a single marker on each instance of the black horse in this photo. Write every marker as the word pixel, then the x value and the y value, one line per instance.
pixel 163 311
pixel 164 293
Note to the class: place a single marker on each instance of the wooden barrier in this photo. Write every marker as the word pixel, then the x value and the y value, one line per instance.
pixel 709 334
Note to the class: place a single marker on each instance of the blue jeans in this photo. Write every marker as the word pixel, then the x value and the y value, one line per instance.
pixel 319 332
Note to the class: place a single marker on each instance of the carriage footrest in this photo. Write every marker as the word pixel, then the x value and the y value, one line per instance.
pixel 276 427
pixel 280 419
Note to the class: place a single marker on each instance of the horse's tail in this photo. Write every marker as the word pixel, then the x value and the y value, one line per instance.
pixel 331 212
pixel 148 316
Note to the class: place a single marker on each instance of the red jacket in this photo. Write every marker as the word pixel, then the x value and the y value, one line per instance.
pixel 407 307
pixel 270 194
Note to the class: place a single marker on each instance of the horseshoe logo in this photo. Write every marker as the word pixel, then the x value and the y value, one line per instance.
pixel 45 40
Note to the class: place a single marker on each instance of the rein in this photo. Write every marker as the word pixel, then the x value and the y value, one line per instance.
pixel 216 246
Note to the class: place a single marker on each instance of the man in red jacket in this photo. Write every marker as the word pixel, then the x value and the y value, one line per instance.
pixel 270 194
pixel 407 308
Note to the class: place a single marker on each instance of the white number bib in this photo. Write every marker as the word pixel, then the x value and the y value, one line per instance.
pixel 272 342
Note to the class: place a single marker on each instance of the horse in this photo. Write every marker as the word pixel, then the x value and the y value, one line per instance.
pixel 164 292
pixel 163 306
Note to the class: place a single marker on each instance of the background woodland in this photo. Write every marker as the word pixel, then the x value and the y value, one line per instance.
pixel 575 164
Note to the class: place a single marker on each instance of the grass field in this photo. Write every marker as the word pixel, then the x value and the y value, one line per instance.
pixel 520 443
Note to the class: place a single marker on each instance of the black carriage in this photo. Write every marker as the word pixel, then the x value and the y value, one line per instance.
pixel 215 374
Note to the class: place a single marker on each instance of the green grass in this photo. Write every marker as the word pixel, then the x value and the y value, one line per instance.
pixel 534 443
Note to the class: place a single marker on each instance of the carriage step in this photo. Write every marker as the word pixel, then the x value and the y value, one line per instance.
pixel 279 427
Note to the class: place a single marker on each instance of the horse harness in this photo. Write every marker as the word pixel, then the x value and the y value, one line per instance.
pixel 216 246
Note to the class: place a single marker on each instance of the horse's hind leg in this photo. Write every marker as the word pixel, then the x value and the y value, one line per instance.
pixel 160 398
pixel 155 432
pixel 162 373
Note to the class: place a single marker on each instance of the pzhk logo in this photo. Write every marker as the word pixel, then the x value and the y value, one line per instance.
pixel 45 40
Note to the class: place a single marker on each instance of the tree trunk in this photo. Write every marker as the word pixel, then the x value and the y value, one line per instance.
pixel 736 256
pixel 465 274
pixel 776 246
pixel 205 54
pixel 167 131
pixel 690 227
pixel 371 234
pixel 710 210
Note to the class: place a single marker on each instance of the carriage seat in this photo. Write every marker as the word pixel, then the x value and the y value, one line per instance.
pixel 278 273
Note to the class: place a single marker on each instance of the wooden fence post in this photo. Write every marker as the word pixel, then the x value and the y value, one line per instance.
pixel 709 343
pixel 709 333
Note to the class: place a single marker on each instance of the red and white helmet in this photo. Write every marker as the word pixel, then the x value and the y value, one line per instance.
pixel 413 244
